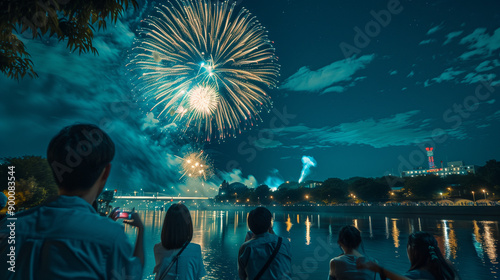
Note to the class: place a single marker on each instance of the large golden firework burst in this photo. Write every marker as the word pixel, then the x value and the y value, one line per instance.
pixel 208 50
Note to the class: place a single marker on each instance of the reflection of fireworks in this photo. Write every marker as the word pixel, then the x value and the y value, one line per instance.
pixel 196 165
pixel 205 58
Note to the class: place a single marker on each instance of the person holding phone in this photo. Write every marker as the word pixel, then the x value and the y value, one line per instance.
pixel 176 256
pixel 67 238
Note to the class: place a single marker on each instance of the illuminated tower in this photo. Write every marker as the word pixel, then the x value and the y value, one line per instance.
pixel 430 154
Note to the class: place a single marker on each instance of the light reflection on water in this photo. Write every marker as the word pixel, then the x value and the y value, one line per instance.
pixel 472 245
pixel 395 233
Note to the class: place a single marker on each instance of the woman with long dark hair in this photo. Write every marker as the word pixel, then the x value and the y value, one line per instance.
pixel 344 266
pixel 176 257
pixel 426 259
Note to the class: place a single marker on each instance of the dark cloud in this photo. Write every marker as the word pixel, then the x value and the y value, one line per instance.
pixel 306 79
pixel 398 130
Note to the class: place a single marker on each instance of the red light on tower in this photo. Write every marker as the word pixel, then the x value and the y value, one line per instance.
pixel 430 155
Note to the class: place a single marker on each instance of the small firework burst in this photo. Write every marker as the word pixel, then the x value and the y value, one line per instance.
pixel 196 165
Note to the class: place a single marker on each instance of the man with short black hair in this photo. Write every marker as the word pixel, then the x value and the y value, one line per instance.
pixel 264 255
pixel 66 238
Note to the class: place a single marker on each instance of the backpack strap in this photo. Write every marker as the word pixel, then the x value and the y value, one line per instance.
pixel 270 260
pixel 174 260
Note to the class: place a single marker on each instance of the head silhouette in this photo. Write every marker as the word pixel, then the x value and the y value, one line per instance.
pixel 424 253
pixel 177 227
pixel 260 220
pixel 78 155
pixel 349 237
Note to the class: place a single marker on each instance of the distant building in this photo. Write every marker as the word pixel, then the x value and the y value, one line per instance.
pixel 452 168
pixel 310 184
pixel 227 188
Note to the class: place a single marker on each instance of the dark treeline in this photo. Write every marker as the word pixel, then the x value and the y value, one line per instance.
pixel 382 189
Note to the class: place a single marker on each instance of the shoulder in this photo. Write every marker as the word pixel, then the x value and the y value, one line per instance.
pixel 99 229
pixel 245 247
pixel 158 248
pixel 338 258
pixel 286 244
pixel 194 250
pixel 247 244
pixel 284 240
pixel 194 247
pixel 106 224
pixel 419 274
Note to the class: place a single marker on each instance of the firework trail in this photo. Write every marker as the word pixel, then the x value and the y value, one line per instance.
pixel 307 163
pixel 206 64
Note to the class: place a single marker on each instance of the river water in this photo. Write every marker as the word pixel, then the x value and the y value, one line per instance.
pixel 471 243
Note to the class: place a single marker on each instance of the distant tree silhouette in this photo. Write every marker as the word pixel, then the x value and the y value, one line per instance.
pixel 369 189
pixel 332 190
pixel 490 173
pixel 262 193
pixel 424 187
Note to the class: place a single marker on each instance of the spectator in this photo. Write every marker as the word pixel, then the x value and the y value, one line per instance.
pixel 264 255
pixel 343 267
pixel 67 239
pixel 176 257
pixel 426 261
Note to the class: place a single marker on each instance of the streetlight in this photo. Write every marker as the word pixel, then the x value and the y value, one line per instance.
pixel 441 195
pixel 473 197
pixel 484 192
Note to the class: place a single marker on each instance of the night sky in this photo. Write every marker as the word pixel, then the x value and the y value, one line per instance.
pixel 360 96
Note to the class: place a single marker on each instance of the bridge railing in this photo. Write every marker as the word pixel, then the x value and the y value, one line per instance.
pixel 162 197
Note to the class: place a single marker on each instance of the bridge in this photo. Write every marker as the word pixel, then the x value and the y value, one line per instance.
pixel 153 197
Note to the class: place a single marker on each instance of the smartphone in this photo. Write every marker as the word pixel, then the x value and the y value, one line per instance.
pixel 127 215
pixel 124 215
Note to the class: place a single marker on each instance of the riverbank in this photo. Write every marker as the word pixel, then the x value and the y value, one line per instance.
pixel 420 210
